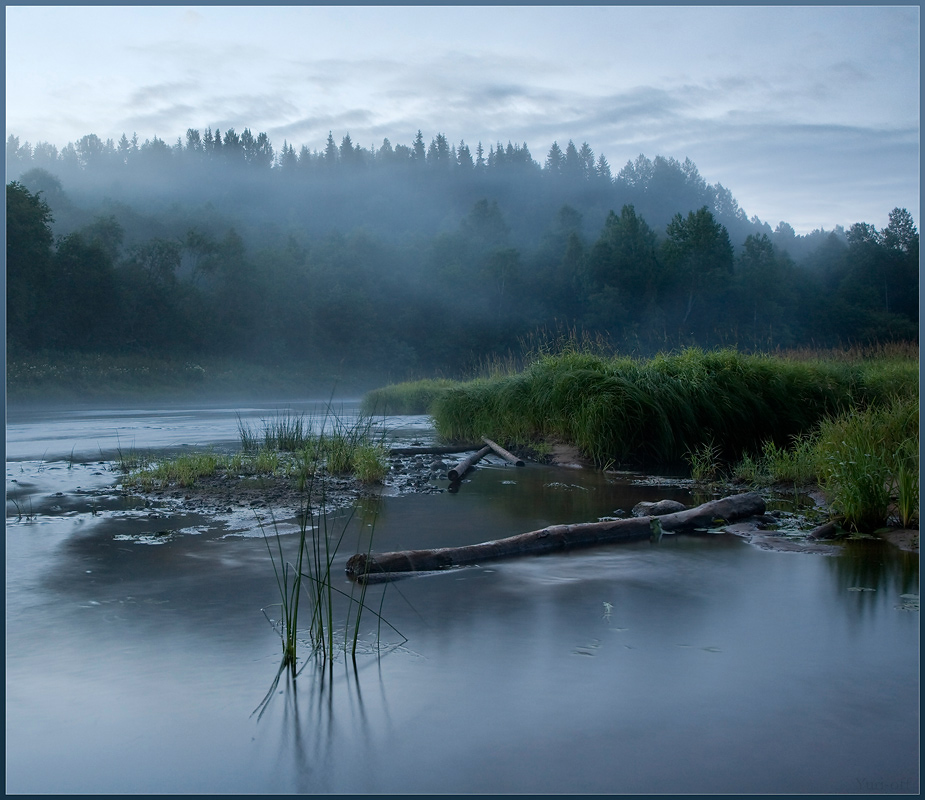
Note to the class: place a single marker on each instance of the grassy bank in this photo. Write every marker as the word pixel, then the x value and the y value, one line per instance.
pixel 846 420
pixel 286 447
pixel 94 378
pixel 656 411
pixel 866 460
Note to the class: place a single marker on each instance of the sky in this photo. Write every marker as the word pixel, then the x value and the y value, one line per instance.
pixel 808 115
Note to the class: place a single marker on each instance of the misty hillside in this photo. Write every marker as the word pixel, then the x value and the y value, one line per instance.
pixel 392 192
pixel 418 257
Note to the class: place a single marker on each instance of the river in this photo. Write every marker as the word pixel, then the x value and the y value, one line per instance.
pixel 139 646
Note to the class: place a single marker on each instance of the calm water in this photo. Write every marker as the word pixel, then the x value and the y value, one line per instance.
pixel 137 648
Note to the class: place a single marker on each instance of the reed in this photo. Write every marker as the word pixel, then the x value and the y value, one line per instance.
pixel 308 579
pixel 288 448
pixel 248 436
pixel 907 488
pixel 285 431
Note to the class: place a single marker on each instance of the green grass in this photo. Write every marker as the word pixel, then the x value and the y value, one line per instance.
pixel 704 462
pixel 846 420
pixel 288 447
pixel 411 397
pixel 183 471
pixel 657 411
pixel 796 463
pixel 869 458
pixel 865 459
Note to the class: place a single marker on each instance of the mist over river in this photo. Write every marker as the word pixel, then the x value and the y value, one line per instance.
pixel 139 643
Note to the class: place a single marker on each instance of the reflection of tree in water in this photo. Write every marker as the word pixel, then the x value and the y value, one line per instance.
pixel 868 564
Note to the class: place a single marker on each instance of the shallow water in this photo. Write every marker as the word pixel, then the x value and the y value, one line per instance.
pixel 137 648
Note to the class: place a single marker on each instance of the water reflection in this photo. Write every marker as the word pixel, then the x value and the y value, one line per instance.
pixel 700 664
pixel 874 573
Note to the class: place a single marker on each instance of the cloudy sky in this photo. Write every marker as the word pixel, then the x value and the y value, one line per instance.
pixel 807 114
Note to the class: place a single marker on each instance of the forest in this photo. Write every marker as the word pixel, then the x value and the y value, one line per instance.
pixel 418 259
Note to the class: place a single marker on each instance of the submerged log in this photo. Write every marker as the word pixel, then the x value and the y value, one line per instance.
pixel 460 469
pixel 437 450
pixel 560 537
pixel 503 453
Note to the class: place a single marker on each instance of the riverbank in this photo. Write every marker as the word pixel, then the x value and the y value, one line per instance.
pixel 92 379
pixel 845 421
pixel 278 499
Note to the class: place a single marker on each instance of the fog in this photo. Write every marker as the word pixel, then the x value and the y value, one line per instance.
pixel 419 258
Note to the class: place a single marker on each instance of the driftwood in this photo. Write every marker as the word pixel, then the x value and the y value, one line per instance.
pixel 503 453
pixel 460 469
pixel 559 537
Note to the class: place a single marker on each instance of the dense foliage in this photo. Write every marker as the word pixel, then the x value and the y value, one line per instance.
pixel 417 258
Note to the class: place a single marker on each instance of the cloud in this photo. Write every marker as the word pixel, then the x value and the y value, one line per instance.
pixel 146 95
pixel 313 127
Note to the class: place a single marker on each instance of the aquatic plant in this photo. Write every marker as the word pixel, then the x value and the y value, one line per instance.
pixel 285 431
pixel 866 457
pixel 907 487
pixel 329 444
pixel 247 435
pixel 321 533
pixel 23 511
pixel 369 463
pixel 797 464
pixel 704 462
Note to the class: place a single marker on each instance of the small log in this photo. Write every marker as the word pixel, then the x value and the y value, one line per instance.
pixel 503 453
pixel 460 469
pixel 559 537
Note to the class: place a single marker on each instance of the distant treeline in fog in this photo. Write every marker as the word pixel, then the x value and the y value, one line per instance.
pixel 418 257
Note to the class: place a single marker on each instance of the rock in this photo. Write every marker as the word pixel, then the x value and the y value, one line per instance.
pixel 829 530
pixel 659 509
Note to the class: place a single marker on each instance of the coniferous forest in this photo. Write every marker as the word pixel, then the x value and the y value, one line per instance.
pixel 413 259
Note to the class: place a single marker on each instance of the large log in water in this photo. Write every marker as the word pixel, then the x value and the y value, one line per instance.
pixel 559 537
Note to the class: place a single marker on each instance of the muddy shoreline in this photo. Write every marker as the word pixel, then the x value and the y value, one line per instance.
pixel 223 495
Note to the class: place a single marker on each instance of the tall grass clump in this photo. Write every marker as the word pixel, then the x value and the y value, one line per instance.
pixel 183 471
pixel 248 436
pixel 704 462
pixel 868 458
pixel 285 432
pixel 657 411
pixel 797 463
pixel 353 448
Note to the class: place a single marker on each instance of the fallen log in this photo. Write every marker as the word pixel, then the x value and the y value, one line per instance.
pixel 503 453
pixel 560 537
pixel 460 469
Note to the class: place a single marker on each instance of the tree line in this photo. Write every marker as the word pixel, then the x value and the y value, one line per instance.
pixel 424 184
pixel 183 280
